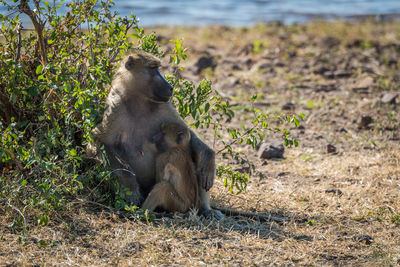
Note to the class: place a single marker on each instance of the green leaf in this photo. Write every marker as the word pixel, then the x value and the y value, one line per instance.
pixel 206 107
pixel 39 69
pixel 73 152
pixel 42 243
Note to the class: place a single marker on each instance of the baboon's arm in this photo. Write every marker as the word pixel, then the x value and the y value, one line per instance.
pixel 204 160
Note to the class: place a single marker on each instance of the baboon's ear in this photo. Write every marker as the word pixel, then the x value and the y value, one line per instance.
pixel 180 137
pixel 130 63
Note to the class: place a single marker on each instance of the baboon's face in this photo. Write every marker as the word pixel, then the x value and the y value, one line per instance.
pixel 172 135
pixel 148 79
pixel 160 89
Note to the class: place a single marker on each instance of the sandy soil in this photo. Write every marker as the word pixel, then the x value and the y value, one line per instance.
pixel 342 208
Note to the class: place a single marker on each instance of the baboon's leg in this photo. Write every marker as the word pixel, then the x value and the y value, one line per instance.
pixel 164 195
pixel 185 189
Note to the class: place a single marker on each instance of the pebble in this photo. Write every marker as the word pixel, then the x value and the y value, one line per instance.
pixel 389 98
pixel 288 106
pixel 204 62
pixel 365 122
pixel 271 150
pixel 365 83
pixel 330 149
pixel 335 191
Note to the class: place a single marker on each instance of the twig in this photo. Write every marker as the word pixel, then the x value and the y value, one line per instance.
pixel 20 213
pixel 128 26
pixel 19 28
pixel 234 141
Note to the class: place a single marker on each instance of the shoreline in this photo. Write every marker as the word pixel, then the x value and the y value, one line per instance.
pixel 307 19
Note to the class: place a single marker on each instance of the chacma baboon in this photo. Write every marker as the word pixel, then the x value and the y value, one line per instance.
pixel 177 187
pixel 138 103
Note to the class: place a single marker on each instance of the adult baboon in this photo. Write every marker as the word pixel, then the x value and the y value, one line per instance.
pixel 138 103
pixel 176 186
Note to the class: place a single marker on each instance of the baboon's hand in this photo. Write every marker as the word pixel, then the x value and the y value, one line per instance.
pixel 206 170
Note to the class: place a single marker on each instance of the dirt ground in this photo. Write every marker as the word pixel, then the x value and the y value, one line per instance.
pixel 341 204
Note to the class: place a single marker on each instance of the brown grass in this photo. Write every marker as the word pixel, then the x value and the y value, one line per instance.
pixel 325 228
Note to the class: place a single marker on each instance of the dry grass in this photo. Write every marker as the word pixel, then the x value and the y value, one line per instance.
pixel 356 223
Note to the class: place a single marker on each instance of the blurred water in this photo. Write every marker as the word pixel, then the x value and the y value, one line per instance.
pixel 243 13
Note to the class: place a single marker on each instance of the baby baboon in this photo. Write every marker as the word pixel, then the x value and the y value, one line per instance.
pixel 136 106
pixel 177 186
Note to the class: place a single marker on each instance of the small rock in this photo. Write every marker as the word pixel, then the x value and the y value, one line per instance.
pixel 282 174
pixel 279 63
pixel 288 106
pixel 335 191
pixel 329 74
pixel 363 239
pixel 271 150
pixel 330 42
pixel 236 67
pixel 365 83
pixel 364 122
pixel 321 70
pixel 355 43
pixel 330 149
pixel 262 65
pixel 325 88
pixel 342 74
pixel 389 98
pixel 204 62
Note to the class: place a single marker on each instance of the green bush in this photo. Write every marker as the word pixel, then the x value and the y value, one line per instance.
pixel 53 84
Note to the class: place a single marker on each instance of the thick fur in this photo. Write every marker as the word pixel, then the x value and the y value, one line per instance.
pixel 174 166
pixel 136 106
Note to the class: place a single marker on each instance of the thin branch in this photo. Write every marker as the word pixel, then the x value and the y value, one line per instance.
pixel 20 213
pixel 235 140
pixel 39 26
pixel 19 29
pixel 128 27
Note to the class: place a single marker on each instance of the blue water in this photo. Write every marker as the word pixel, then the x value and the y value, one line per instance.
pixel 244 13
